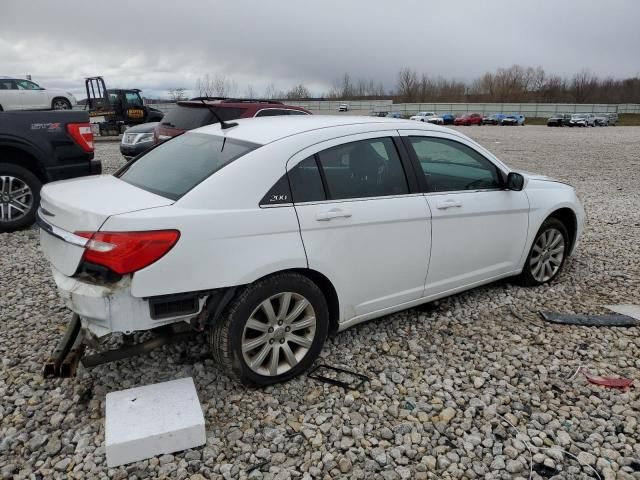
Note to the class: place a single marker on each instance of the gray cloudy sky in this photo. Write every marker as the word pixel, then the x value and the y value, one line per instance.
pixel 156 45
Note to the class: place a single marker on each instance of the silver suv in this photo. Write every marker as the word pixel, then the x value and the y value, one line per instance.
pixel 582 120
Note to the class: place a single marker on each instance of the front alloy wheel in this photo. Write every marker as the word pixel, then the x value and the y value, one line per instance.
pixel 272 330
pixel 548 254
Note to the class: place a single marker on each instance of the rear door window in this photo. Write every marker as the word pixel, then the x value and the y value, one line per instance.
pixel 6 84
pixel 306 182
pixel 366 168
pixel 26 85
pixel 176 166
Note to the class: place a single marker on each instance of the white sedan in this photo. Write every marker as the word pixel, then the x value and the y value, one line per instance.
pixel 430 117
pixel 21 94
pixel 270 234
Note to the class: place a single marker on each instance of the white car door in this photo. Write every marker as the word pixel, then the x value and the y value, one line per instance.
pixel 9 94
pixel 31 96
pixel 362 225
pixel 479 228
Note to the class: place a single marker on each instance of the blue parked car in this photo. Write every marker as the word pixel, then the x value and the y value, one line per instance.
pixel 513 119
pixel 394 115
pixel 448 118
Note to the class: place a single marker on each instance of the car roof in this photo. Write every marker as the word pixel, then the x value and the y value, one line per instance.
pixel 270 129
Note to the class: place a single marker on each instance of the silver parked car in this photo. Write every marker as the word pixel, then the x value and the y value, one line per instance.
pixel 582 120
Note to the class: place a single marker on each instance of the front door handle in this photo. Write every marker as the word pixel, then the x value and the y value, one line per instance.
pixel 333 213
pixel 448 203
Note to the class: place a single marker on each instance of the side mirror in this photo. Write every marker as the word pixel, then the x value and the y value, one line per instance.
pixel 515 181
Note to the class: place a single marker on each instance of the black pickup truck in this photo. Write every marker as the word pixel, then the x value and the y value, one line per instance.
pixel 36 148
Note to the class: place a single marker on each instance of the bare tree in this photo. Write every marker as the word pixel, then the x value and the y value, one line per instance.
pixel 221 86
pixel 408 85
pixel 177 94
pixel 582 85
pixel 270 91
pixel 297 92
pixel 250 92
pixel 347 87
pixel 204 86
pixel 553 89
pixel 218 86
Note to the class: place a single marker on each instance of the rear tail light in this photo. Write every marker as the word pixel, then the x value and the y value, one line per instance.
pixel 82 134
pixel 127 252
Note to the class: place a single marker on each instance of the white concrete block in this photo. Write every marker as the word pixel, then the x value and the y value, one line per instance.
pixel 629 310
pixel 152 420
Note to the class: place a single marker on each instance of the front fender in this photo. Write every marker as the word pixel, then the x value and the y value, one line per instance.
pixel 546 197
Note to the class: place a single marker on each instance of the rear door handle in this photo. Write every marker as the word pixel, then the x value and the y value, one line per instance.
pixel 448 203
pixel 333 213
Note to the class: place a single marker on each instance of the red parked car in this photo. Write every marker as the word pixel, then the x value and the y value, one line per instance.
pixel 469 119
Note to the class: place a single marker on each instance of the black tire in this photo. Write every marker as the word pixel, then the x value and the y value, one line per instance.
pixel 60 103
pixel 28 178
pixel 226 333
pixel 526 277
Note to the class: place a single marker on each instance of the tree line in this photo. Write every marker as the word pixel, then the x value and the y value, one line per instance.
pixel 517 84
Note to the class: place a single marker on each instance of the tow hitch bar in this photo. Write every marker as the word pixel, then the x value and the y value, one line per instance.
pixel 64 360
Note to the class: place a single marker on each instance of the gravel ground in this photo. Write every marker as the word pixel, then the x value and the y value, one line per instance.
pixel 444 380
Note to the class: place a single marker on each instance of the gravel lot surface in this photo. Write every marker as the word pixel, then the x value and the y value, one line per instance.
pixel 444 380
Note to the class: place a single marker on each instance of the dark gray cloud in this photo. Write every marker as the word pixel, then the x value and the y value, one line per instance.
pixel 158 45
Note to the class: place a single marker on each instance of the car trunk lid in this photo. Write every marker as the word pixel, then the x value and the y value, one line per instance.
pixel 84 205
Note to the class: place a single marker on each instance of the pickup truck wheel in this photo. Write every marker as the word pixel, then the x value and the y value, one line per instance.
pixel 60 104
pixel 19 197
pixel 272 331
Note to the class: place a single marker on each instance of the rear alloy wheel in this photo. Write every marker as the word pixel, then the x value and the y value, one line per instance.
pixel 272 331
pixel 548 254
pixel 19 197
pixel 61 104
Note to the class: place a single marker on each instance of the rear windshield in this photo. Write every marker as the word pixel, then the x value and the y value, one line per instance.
pixel 188 118
pixel 176 166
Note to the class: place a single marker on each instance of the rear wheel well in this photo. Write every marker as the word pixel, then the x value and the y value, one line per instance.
pixel 53 100
pixel 568 219
pixel 18 157
pixel 219 302
pixel 329 292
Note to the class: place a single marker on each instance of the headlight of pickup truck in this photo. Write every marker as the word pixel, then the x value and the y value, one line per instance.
pixel 135 138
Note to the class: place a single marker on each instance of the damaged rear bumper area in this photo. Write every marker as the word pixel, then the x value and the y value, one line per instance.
pixel 102 309
pixel 105 309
